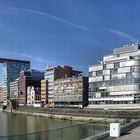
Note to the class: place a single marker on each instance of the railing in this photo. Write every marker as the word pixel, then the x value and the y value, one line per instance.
pixel 74 132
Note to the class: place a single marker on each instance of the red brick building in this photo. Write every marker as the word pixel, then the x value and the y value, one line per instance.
pixel 26 80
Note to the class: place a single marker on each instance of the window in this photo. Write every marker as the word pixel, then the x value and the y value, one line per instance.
pixel 104 66
pixel 114 71
pixel 132 68
pixel 103 77
pixel 118 55
pixel 99 73
pixel 90 74
pixel 128 74
pixel 116 64
pixel 96 89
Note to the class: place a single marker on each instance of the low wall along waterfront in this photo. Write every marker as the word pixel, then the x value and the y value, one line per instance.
pixel 90 115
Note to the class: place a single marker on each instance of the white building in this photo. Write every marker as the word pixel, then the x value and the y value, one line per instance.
pixel 33 95
pixel 30 95
pixel 116 80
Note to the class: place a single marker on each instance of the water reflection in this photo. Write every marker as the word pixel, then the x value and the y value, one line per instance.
pixel 17 124
pixel 14 124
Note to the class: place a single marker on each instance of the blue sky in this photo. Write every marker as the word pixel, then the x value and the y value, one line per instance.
pixel 70 32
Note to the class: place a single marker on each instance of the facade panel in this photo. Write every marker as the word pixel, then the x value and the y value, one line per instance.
pixel 71 91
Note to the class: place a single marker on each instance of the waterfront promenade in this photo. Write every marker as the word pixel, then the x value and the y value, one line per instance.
pixel 131 135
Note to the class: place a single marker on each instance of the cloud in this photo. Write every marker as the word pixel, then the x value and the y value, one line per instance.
pixel 54 18
pixel 124 35
pixel 37 59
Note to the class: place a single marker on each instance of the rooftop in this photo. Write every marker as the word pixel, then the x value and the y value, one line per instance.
pixel 63 66
pixel 35 70
pixel 4 60
pixel 127 49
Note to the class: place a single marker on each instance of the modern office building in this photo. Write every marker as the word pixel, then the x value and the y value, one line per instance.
pixel 71 91
pixel 54 73
pixel 44 92
pixel 116 80
pixel 11 71
pixel 26 79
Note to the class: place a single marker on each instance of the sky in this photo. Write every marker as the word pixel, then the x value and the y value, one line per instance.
pixel 66 32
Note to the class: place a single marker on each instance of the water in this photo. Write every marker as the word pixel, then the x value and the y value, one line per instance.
pixel 15 124
pixel 11 123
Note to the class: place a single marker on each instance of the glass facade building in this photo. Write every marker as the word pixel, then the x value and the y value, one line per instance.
pixel 37 73
pixel 11 71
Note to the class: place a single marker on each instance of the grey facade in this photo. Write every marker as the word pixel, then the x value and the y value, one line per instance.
pixel 116 80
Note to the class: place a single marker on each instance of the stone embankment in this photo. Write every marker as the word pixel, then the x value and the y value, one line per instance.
pixel 89 115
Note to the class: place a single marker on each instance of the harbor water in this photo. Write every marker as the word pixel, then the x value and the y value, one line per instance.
pixel 19 126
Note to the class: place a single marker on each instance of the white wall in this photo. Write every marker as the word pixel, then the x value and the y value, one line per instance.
pixel 109 66
pixel 124 70
pixel 106 72
pixel 107 77
pixel 96 67
pixel 94 79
